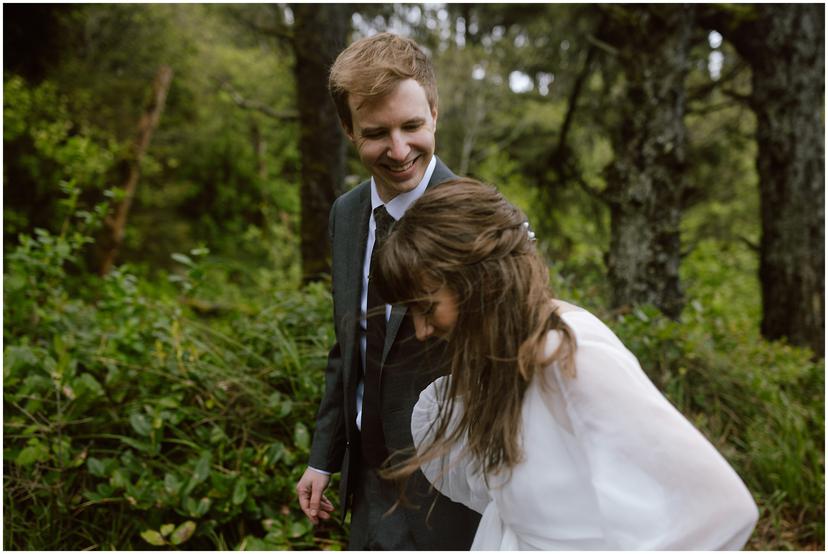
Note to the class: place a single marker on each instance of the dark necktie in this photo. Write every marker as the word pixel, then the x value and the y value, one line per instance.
pixel 373 439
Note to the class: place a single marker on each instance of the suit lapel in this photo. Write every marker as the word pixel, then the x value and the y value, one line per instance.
pixel 356 241
pixel 441 173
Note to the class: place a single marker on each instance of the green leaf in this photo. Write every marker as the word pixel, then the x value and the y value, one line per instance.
pixel 119 479
pixel 15 357
pixel 203 506
pixel 301 436
pixel 202 469
pixel 217 435
pixel 105 490
pixel 171 484
pixel 183 532
pixel 182 259
pixel 167 528
pixel 169 402
pixel 200 472
pixel 297 529
pixel 35 453
pixel 275 453
pixel 239 492
pixel 89 385
pixel 138 445
pixel 141 424
pixel 96 467
pixel 153 537
pixel 191 506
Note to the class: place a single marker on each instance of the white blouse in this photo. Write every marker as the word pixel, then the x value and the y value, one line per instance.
pixel 608 464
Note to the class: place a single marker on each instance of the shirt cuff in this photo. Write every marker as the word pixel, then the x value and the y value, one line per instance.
pixel 322 471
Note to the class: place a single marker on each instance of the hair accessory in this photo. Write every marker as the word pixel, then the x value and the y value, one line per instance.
pixel 529 231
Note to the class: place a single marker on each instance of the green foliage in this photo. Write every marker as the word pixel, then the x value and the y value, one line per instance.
pixel 119 407
pixel 48 149
pixel 215 170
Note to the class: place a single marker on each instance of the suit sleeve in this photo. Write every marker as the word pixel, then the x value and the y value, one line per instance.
pixel 328 447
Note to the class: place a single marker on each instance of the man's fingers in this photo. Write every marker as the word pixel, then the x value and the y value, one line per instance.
pixel 325 508
pixel 303 491
pixel 315 497
pixel 304 494
pixel 311 500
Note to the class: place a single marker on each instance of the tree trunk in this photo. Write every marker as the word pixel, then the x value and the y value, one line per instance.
pixel 116 221
pixel 646 179
pixel 785 46
pixel 319 34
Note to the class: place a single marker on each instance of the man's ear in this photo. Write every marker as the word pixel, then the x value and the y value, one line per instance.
pixel 434 116
pixel 348 130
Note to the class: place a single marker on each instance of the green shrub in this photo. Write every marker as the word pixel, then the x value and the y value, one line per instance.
pixel 130 423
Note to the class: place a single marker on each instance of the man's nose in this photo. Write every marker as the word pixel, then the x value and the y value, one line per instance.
pixel 399 148
pixel 422 328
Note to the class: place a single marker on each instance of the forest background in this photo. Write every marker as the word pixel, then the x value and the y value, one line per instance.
pixel 168 171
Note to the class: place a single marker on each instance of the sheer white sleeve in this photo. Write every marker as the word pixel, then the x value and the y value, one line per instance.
pixel 659 483
pixel 454 473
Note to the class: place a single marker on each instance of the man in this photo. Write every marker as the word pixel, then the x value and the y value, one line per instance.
pixel 386 97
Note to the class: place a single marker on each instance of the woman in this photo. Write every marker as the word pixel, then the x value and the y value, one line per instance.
pixel 546 425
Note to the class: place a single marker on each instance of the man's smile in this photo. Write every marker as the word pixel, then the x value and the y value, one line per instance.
pixel 401 168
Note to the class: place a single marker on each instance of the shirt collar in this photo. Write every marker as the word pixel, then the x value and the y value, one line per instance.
pixel 400 203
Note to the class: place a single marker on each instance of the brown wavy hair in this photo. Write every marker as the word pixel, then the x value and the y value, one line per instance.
pixel 465 236
pixel 373 66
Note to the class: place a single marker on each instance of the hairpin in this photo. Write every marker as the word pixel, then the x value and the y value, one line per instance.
pixel 529 231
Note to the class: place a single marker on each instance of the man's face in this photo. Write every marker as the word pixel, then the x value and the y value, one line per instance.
pixel 394 136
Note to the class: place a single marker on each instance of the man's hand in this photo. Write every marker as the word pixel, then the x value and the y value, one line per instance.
pixel 309 489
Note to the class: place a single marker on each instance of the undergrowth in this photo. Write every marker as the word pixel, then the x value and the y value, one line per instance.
pixel 140 414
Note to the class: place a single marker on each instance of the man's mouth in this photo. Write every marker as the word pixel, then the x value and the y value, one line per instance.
pixel 401 168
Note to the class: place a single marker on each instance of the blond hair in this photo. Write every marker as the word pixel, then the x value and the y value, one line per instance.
pixel 373 66
pixel 465 236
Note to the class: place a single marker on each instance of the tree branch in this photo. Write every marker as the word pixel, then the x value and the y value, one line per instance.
pixel 573 104
pixel 713 108
pixel 278 30
pixel 248 104
pixel 753 246
pixel 600 44
pixel 562 159
pixel 744 98
pixel 702 91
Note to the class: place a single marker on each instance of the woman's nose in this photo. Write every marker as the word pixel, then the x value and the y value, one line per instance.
pixel 422 328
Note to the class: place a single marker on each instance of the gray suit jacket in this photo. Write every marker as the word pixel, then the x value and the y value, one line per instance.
pixel 408 367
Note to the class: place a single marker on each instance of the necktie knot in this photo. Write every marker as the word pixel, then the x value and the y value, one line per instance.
pixel 384 222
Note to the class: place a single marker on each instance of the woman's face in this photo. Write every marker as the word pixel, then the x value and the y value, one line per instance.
pixel 435 314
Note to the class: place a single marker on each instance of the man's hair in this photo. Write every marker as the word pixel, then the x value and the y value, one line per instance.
pixel 373 66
